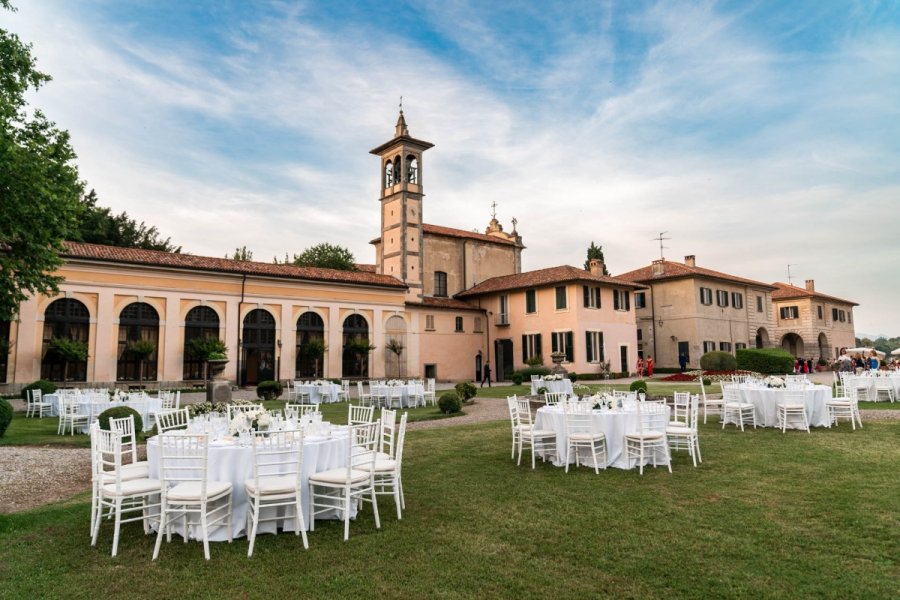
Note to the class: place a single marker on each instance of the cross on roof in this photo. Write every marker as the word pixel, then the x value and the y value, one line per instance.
pixel 494 209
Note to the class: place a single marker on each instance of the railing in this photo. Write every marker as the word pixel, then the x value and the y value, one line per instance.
pixel 501 320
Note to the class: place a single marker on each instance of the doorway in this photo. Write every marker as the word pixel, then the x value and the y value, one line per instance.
pixel 478 373
pixel 503 363
pixel 258 347
pixel 685 348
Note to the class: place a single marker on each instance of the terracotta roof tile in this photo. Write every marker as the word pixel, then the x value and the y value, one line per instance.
pixel 450 303
pixel 786 291
pixel 459 233
pixel 366 268
pixel 542 277
pixel 673 270
pixel 79 250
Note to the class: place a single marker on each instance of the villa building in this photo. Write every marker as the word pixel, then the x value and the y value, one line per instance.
pixel 812 324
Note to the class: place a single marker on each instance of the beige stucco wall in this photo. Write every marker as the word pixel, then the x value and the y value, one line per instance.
pixel 809 326
pixel 453 353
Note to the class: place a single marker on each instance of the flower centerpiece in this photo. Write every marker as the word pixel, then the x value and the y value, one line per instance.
pixel 774 382
pixel 256 420
pixel 552 377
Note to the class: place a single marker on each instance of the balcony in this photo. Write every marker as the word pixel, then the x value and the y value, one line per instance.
pixel 501 320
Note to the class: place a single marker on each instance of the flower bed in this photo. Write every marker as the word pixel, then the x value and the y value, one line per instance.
pixel 713 376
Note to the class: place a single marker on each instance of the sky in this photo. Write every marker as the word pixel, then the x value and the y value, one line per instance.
pixel 757 135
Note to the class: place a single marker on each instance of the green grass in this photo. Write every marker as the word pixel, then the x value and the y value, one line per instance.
pixel 767 515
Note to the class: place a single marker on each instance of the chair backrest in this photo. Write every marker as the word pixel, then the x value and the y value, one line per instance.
pixel 512 405
pixel 173 419
pixel 183 458
pixel 68 406
pixel 345 386
pixel 794 396
pixel 651 417
pixel 731 393
pixel 693 412
pixel 523 411
pixel 279 454
pixel 702 390
pixel 107 456
pixel 681 407
pixel 387 432
pixel 360 415
pixel 233 409
pixel 361 448
pixel 296 411
pixel 401 439
pixel 579 419
pixel 359 389
pixel 430 384
pixel 36 395
pixel 553 398
pixel 125 428
pixel 535 377
pixel 739 378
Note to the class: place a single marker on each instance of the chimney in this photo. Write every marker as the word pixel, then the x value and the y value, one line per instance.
pixel 658 267
pixel 690 260
pixel 595 265
pixel 810 285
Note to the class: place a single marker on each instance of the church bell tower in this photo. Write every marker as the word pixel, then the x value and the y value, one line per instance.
pixel 402 239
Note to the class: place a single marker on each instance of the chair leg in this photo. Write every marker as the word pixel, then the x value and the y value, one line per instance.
pixel 162 527
pixel 253 515
pixel 396 485
pixel 346 514
pixel 118 525
pixel 204 529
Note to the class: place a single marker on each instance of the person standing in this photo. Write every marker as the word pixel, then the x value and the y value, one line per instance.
pixel 874 362
pixel 649 366
pixel 639 369
pixel 682 361
pixel 486 374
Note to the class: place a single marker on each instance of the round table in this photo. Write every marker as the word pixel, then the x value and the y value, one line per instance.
pixel 406 391
pixel 765 404
pixel 556 387
pixel 614 424
pixel 315 389
pixel 228 461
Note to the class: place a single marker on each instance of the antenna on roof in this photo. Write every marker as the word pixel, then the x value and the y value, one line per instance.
pixel 790 281
pixel 660 239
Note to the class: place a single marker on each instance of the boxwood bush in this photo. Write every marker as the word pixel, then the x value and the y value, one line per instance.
pixel 718 361
pixel 573 377
pixel 269 390
pixel 120 412
pixel 769 361
pixel 466 391
pixel 517 378
pixel 449 403
pixel 638 386
pixel 6 415
pixel 46 387
pixel 527 372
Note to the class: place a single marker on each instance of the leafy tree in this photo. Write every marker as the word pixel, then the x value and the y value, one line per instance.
pixel 315 349
pixel 207 348
pixel 71 351
pixel 595 251
pixel 39 185
pixel 97 225
pixel 361 347
pixel 143 349
pixel 241 254
pixel 326 256
pixel 395 346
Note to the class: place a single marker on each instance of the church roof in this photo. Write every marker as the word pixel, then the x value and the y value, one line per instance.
pixel 541 278
pixel 459 233
pixel 786 292
pixel 155 258
pixel 674 270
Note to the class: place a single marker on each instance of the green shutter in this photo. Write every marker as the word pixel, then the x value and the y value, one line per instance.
pixel 587 296
pixel 537 345
pixel 570 347
pixel 627 300
pixel 589 350
pixel 601 350
pixel 599 303
pixel 616 299
pixel 524 348
pixel 553 345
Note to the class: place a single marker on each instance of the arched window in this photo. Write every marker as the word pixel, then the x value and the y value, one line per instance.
pixel 67 319
pixel 395 347
pixel 412 169
pixel 355 364
pixel 310 328
pixel 258 347
pixel 200 322
pixel 138 322
pixel 388 174
pixel 440 284
pixel 398 170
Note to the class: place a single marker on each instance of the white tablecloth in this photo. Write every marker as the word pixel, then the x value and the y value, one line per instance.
pixel 563 385
pixel 613 424
pixel 765 404
pixel 230 462
pixel 869 383
pixel 314 392
pixel 91 405
pixel 406 391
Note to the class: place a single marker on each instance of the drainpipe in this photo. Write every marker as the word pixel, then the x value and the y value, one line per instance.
pixel 240 332
pixel 653 317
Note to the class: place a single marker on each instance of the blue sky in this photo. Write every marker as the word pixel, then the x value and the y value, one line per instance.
pixel 756 133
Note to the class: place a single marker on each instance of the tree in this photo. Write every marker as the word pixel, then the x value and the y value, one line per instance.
pixel 207 348
pixel 361 347
pixel 395 346
pixel 39 185
pixel 241 254
pixel 97 225
pixel 70 351
pixel 143 349
pixel 326 256
pixel 315 349
pixel 595 251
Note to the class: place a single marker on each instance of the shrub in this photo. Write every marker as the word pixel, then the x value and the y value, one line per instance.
pixel 46 387
pixel 638 386
pixel 542 390
pixel 527 372
pixel 573 377
pixel 449 403
pixel 466 391
pixel 6 415
pixel 535 361
pixel 821 362
pixel 517 378
pixel 718 361
pixel 769 361
pixel 120 412
pixel 269 390
pixel 707 381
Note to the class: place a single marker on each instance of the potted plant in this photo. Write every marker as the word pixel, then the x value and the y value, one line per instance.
pixel 360 347
pixel 214 354
pixel 143 349
pixel 70 350
pixel 315 349
pixel 395 346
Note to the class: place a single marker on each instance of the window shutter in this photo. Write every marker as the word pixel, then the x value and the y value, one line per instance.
pixel 627 300
pixel 570 347
pixel 598 297
pixel 537 345
pixel 587 346
pixel 601 351
pixel 616 299
pixel 553 345
pixel 587 296
pixel 524 348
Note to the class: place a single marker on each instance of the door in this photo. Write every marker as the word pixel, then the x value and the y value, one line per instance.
pixel 503 363
pixel 684 348
pixel 478 374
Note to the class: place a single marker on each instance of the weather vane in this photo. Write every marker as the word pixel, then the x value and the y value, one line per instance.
pixel 660 240
pixel 401 103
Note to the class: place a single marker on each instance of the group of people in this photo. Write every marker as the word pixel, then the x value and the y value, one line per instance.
pixel 858 362
pixel 643 368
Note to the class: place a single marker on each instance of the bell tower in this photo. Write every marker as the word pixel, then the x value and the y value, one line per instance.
pixel 402 240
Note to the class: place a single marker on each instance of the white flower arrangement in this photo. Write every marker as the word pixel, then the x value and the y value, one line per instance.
pixel 553 378
pixel 246 420
pixel 774 382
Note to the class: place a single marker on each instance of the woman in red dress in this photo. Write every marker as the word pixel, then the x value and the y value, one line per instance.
pixel 649 366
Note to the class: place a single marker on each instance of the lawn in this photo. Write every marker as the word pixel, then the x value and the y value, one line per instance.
pixel 767 515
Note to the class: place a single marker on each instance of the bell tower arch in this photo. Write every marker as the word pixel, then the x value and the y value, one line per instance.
pixel 401 195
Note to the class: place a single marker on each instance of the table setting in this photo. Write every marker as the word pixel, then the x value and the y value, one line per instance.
pixel 766 394
pixel 554 383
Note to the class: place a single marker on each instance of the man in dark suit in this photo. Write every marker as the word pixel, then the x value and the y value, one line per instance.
pixel 486 374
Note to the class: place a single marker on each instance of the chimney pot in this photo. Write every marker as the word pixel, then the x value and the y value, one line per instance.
pixel 690 260
pixel 658 267
pixel 595 265
pixel 810 285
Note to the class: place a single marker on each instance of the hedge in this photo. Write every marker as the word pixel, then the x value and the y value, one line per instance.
pixel 46 387
pixel 269 390
pixel 527 372
pixel 718 361
pixel 769 361
pixel 6 415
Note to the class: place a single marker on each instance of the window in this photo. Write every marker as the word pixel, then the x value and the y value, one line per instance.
pixel 591 296
pixel 64 318
pixel 530 301
pixel 834 314
pixel 594 346
pixel 740 346
pixel 708 347
pixel 705 296
pixel 737 300
pixel 459 324
pixel 725 346
pixel 849 316
pixel 640 299
pixel 789 312
pixel 841 316
pixel 562 342
pixel 429 322
pixel 759 304
pixel 531 346
pixel 821 312
pixel 440 284
pixel 622 300
pixel 477 328
pixel 503 311
pixel 722 298
pixel 200 322
pixel 640 334
pixel 137 322
pixel 561 298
